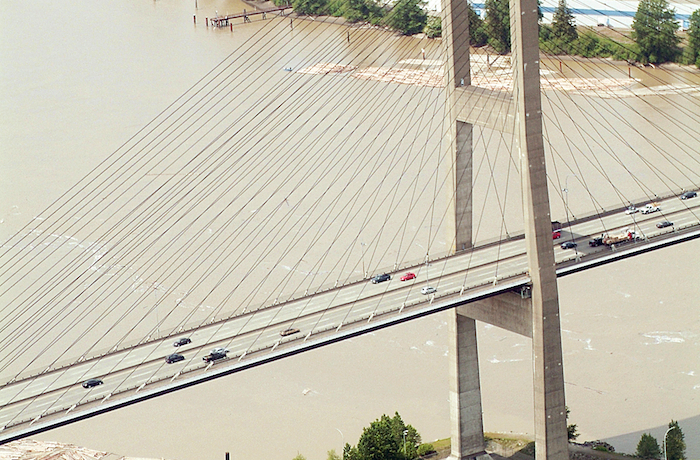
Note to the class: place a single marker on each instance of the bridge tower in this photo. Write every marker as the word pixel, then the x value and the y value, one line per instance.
pixel 533 313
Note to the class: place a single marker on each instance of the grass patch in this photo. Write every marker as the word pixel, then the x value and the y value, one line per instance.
pixel 442 444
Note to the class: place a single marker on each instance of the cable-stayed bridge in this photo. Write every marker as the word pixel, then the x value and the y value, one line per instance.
pixel 156 230
pixel 138 372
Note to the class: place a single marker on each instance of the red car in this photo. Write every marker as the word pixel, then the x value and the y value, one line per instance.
pixel 408 276
pixel 556 234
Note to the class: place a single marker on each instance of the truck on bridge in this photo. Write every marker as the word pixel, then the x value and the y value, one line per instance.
pixel 651 207
pixel 608 240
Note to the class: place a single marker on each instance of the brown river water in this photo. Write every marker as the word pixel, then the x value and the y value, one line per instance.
pixel 77 79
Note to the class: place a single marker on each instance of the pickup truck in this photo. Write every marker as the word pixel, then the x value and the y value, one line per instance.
pixel 651 207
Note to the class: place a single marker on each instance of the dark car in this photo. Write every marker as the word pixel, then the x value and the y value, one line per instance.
pixel 381 278
pixel 213 356
pixel 174 358
pixel 568 245
pixel 664 224
pixel 688 195
pixel 598 241
pixel 92 383
pixel 182 341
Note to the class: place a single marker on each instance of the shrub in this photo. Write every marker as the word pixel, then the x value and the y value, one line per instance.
pixel 433 28
pixel 425 449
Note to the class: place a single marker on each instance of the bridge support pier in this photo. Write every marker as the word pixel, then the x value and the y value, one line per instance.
pixel 467 429
pixel 537 317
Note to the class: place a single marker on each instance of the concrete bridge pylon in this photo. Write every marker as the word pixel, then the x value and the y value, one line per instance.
pixel 534 313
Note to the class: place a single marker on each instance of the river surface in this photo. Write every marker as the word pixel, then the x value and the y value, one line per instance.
pixel 78 79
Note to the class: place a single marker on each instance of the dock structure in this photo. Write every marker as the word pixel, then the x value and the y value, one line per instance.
pixel 224 21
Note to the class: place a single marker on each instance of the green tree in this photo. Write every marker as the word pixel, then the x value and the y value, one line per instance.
pixel 387 438
pixel 299 457
pixel 497 25
pixel 332 455
pixel 433 27
pixel 408 16
pixel 692 51
pixel 563 26
pixel 477 34
pixel 572 429
pixel 675 442
pixel 357 10
pixel 654 31
pixel 648 447
pixel 351 453
pixel 310 7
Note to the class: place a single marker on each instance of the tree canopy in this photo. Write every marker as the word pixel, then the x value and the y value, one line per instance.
pixel 477 34
pixel 654 31
pixel 563 26
pixel 497 25
pixel 675 442
pixel 387 438
pixel 311 7
pixel 648 447
pixel 408 16
pixel 693 48
pixel 433 27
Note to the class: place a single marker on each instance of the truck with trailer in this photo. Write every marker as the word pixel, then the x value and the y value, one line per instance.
pixel 609 239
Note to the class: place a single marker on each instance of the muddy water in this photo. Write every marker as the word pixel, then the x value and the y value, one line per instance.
pixel 79 79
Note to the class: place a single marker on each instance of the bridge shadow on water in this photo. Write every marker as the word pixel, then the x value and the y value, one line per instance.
pixel 627 442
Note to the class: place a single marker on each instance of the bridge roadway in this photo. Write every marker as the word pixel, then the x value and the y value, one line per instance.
pixel 56 397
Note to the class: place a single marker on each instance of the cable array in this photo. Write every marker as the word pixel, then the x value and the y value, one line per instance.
pixel 304 160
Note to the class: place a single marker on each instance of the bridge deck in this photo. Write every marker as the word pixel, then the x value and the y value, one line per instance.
pixel 54 396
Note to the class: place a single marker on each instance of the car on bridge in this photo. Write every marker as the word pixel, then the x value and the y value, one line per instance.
pixel 182 341
pixel 664 224
pixel 381 278
pixel 92 383
pixel 289 331
pixel 408 276
pixel 688 195
pixel 556 235
pixel 174 358
pixel 215 354
pixel 598 241
pixel 428 290
pixel 568 245
pixel 631 210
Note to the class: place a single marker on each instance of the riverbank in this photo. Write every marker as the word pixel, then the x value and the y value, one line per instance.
pixel 502 446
